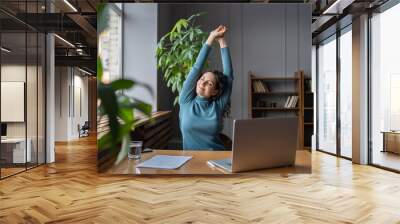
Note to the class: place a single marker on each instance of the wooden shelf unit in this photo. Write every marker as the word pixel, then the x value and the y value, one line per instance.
pixel 292 86
pixel 306 113
pixel 259 102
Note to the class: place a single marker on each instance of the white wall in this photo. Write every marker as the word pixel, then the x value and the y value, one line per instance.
pixel 80 110
pixel 16 73
pixel 61 103
pixel 33 126
pixel 70 84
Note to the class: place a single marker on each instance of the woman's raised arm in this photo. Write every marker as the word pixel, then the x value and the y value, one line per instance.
pixel 228 72
pixel 188 90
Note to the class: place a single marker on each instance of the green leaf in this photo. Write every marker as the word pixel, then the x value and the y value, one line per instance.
pixel 176 101
pixel 122 84
pixel 99 69
pixel 126 114
pixel 168 60
pixel 124 149
pixel 191 35
pixel 180 23
pixel 125 138
pixel 109 103
pixel 167 73
pixel 172 36
pixel 174 87
pixel 142 106
pixel 192 17
pixel 104 142
pixel 180 87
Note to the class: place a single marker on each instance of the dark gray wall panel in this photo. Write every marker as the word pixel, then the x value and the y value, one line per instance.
pixel 268 39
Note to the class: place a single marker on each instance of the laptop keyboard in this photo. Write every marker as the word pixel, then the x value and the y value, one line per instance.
pixel 226 162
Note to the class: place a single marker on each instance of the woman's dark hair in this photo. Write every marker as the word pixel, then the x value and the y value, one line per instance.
pixel 220 81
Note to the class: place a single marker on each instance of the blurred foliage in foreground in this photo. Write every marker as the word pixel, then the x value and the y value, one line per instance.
pixel 118 108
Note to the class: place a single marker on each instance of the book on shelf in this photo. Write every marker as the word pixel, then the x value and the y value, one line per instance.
pixel 255 87
pixel 291 102
pixel 296 98
pixel 260 87
pixel 287 102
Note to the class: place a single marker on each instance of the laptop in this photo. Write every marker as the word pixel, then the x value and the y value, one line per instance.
pixel 261 143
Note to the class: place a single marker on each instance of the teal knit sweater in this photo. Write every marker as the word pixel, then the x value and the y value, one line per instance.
pixel 201 118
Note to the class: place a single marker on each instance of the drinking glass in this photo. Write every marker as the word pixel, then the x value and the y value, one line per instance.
pixel 135 150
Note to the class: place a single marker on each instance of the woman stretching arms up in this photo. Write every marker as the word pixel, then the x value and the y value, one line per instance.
pixel 204 98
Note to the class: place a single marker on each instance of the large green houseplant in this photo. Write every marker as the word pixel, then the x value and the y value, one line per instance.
pixel 114 104
pixel 177 50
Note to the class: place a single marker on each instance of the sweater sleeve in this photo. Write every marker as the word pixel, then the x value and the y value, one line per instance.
pixel 224 99
pixel 188 90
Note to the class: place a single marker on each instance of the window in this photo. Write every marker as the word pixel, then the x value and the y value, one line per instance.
pixel 346 93
pixel 385 87
pixel 327 95
pixel 22 101
pixel 110 44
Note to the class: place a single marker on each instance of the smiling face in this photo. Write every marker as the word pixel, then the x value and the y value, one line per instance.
pixel 207 85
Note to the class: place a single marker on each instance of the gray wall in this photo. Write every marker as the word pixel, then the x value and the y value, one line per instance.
pixel 140 41
pixel 165 97
pixel 268 39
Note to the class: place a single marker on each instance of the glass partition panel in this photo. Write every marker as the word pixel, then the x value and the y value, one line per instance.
pixel 31 99
pixel 13 94
pixel 385 89
pixel 327 96
pixel 22 89
pixel 346 93
pixel 41 86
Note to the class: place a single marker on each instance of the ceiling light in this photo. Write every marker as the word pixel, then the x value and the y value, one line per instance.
pixel 338 6
pixel 84 71
pixel 65 41
pixel 5 50
pixel 70 5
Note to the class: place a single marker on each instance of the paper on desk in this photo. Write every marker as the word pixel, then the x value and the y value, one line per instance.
pixel 164 162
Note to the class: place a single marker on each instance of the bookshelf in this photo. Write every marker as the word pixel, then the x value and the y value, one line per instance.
pixel 307 113
pixel 269 96
pixel 283 96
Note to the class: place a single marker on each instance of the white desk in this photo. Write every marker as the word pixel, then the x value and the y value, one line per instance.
pixel 18 149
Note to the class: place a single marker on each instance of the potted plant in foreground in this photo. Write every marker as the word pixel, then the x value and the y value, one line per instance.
pixel 113 104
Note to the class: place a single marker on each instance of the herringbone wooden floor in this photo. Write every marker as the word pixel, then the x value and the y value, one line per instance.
pixel 71 191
